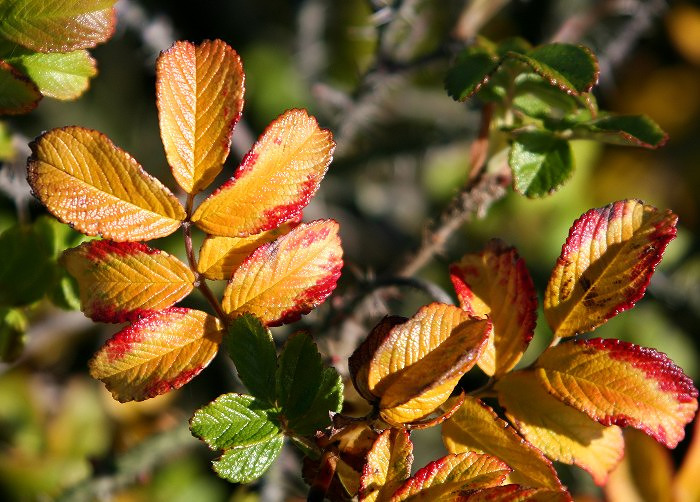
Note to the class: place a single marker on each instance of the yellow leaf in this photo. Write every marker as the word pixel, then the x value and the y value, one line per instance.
pixel 274 182
pixel 514 493
pixel 124 281
pixel 452 474
pixel 219 257
pixel 416 367
pixel 476 427
pixel 496 283
pixel 561 432
pixel 606 264
pixel 200 98
pixel 288 277
pixel 89 183
pixel 616 382
pixel 388 465
pixel 157 354
pixel 686 487
pixel 645 472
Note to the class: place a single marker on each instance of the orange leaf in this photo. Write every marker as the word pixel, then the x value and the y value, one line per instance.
pixel 274 182
pixel 606 264
pixel 288 277
pixel 496 283
pixel 220 257
pixel 418 364
pixel 157 354
pixel 200 98
pixel 514 493
pixel 19 93
pixel 89 183
pixel 124 281
pixel 561 432
pixel 644 474
pixel 388 465
pixel 476 427
pixel 452 474
pixel 686 487
pixel 616 382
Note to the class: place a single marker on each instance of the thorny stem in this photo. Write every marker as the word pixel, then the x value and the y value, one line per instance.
pixel 199 281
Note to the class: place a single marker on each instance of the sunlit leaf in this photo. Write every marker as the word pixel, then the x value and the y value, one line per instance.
pixel 560 431
pixel 200 98
pixel 250 346
pixel 274 182
pixel 157 354
pixel 306 389
pixel 476 427
pixel 631 130
pixel 57 25
pixel 571 68
pixel 536 98
pixel 288 277
pixel 685 486
pixel 417 366
pixel 124 281
pixel 645 472
pixel 515 493
pixel 246 464
pixel 452 474
pixel 616 382
pixel 359 361
pixel 86 181
pixel 219 257
pixel 233 420
pixel 606 264
pixel 496 283
pixel 471 71
pixel 19 94
pixel 388 465
pixel 541 163
pixel 58 75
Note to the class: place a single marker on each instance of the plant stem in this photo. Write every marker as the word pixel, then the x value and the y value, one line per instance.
pixel 326 472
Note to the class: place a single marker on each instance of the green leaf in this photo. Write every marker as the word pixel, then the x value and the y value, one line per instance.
pixel 306 390
pixel 243 465
pixel 234 420
pixel 471 71
pixel 571 68
pixel 57 25
pixel 541 163
pixel 58 75
pixel 536 98
pixel 64 291
pixel 27 267
pixel 251 347
pixel 13 328
pixel 628 130
pixel 19 94
pixel 7 149
pixel 513 44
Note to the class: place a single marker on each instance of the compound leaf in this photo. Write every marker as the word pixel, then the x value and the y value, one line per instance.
pixel 452 474
pixel 541 163
pixel 496 283
pixel 558 430
pixel 476 427
pixel 418 364
pixel 274 182
pixel 246 464
pixel 220 257
pixel 200 98
pixel 19 93
pixel 57 75
pixel 124 281
pixel 86 181
pixel 234 420
pixel 250 346
pixel 288 277
pixel 606 264
pixel 157 354
pixel 615 382
pixel 306 390
pixel 388 465
pixel 57 25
